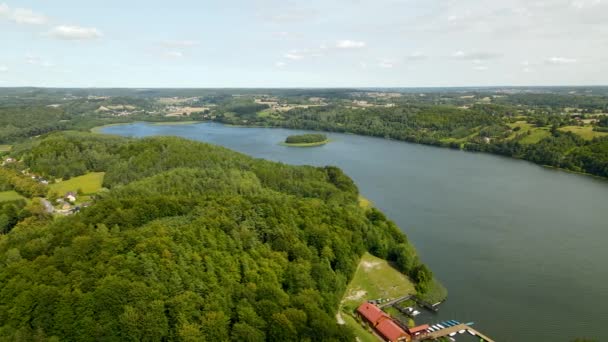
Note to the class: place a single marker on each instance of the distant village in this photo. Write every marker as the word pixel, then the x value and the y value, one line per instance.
pixel 67 203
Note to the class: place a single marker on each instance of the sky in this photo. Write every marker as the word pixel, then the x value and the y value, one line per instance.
pixel 314 43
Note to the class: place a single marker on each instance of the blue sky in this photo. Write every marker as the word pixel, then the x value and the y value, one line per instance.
pixel 271 43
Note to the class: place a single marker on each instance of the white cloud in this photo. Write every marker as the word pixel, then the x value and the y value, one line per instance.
pixel 26 16
pixel 22 15
pixel 349 44
pixel 475 56
pixel 560 60
pixel 280 64
pixel 386 63
pixel 3 68
pixel 363 65
pixel 480 68
pixel 416 56
pixel 68 32
pixel 35 60
pixel 293 56
pixel 581 4
pixel 180 43
pixel 30 59
pixel 173 54
pixel 286 13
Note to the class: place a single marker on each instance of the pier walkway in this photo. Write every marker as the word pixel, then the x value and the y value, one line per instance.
pixel 456 328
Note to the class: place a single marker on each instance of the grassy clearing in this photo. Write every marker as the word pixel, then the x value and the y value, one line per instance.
pixel 361 332
pixel 375 278
pixel 6 196
pixel 536 134
pixel 88 184
pixel 585 132
pixel 365 203
pixel 264 114
pixel 269 114
pixel 5 148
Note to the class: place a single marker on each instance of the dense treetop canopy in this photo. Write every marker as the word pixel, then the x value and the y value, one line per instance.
pixel 193 242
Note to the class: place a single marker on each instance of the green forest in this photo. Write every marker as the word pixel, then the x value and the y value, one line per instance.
pixel 192 242
pixel 488 128
pixel 563 127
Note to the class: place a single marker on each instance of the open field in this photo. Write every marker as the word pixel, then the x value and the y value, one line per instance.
pixel 375 278
pixel 6 196
pixel 269 114
pixel 586 132
pixel 5 148
pixel 536 133
pixel 362 333
pixel 88 184
pixel 180 111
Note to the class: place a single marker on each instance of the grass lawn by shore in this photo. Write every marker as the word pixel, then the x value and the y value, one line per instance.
pixel 361 332
pixel 5 148
pixel 585 132
pixel 374 278
pixel 6 196
pixel 88 184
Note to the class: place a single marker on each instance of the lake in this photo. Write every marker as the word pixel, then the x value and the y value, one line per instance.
pixel 521 248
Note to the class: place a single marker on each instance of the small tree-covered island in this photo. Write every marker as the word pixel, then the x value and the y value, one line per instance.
pixel 306 140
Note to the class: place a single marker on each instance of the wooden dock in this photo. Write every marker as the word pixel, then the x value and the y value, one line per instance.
pixel 456 328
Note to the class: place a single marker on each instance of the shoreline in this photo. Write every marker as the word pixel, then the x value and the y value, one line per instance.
pixel 97 130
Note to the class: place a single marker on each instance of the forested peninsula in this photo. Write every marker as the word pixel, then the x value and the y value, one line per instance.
pixel 190 242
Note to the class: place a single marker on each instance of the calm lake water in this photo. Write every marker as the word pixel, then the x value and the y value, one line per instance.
pixel 522 249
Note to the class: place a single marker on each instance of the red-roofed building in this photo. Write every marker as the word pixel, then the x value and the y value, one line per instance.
pixel 371 313
pixel 391 331
pixel 382 323
pixel 419 330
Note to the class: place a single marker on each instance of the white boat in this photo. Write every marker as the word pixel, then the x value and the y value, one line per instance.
pixel 452 334
pixel 441 326
pixel 470 332
pixel 415 313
